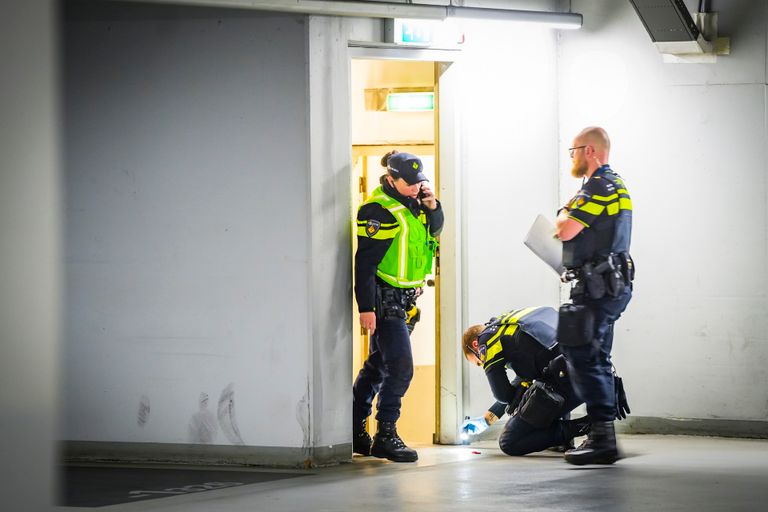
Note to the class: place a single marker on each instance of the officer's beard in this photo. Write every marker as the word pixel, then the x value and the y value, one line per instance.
pixel 579 169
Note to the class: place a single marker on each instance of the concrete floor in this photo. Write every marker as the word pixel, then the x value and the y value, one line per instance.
pixel 659 473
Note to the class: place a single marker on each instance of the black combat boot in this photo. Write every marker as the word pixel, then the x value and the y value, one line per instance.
pixel 578 427
pixel 388 445
pixel 599 448
pixel 361 441
pixel 572 428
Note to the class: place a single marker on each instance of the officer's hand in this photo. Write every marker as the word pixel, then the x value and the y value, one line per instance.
pixel 622 406
pixel 368 321
pixel 474 426
pixel 516 398
pixel 428 198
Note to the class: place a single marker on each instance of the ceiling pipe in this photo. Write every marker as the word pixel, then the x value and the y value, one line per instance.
pixel 362 9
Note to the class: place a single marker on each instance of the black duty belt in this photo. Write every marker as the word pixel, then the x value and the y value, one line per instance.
pixel 394 302
pixel 606 276
pixel 404 297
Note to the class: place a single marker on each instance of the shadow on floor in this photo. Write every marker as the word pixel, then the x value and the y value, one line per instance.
pixel 98 486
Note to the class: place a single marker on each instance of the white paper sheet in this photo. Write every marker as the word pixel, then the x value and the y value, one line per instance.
pixel 541 241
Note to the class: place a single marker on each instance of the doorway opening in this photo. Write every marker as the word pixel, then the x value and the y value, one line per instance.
pixel 379 126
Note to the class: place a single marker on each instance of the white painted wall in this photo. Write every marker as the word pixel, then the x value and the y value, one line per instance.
pixel 690 140
pixel 509 166
pixel 189 265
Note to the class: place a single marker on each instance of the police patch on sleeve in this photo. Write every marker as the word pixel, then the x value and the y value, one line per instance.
pixel 372 227
pixel 580 200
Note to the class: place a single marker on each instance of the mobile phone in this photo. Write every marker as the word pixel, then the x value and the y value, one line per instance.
pixel 421 194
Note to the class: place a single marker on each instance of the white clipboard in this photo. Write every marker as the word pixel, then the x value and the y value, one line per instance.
pixel 540 239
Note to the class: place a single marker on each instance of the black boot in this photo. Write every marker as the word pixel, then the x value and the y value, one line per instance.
pixel 572 428
pixel 599 448
pixel 388 445
pixel 361 441
pixel 562 448
pixel 578 427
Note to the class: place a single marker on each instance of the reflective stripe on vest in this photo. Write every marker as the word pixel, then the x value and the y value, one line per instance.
pixel 399 267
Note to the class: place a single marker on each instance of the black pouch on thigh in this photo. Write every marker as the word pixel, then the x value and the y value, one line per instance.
pixel 540 405
pixel 575 325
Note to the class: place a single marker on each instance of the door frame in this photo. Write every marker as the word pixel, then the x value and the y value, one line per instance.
pixel 449 306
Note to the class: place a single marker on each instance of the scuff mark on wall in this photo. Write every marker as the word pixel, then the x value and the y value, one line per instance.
pixel 144 409
pixel 202 425
pixel 303 418
pixel 226 414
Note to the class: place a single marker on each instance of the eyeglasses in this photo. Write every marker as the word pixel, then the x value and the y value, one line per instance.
pixel 477 355
pixel 571 150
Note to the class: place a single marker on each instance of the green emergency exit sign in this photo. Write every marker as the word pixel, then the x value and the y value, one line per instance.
pixel 410 32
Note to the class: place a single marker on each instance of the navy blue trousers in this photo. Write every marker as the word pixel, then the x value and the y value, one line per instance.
pixel 520 438
pixel 589 365
pixel 387 371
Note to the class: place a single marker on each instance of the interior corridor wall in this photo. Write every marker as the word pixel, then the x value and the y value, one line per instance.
pixel 509 167
pixel 187 230
pixel 690 141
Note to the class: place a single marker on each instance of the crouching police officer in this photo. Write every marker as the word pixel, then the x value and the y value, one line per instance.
pixel 595 227
pixel 396 230
pixel 540 397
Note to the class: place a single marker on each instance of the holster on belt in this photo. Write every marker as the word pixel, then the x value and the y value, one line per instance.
pixel 593 280
pixel 627 265
pixel 394 302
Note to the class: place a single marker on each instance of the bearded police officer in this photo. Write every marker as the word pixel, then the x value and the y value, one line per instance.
pixel 595 227
pixel 540 397
pixel 396 230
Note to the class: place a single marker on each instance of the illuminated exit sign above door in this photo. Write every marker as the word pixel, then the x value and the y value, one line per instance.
pixel 410 32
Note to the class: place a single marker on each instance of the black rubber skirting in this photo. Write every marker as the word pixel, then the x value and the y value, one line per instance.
pixel 268 456
pixel 694 427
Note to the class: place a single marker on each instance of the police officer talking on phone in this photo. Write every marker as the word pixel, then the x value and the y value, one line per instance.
pixel 396 230
pixel 595 227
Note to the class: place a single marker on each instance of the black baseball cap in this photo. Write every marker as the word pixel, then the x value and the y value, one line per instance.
pixel 408 167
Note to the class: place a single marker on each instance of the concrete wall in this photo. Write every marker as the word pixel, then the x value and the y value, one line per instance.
pixel 29 255
pixel 331 257
pixel 690 141
pixel 190 257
